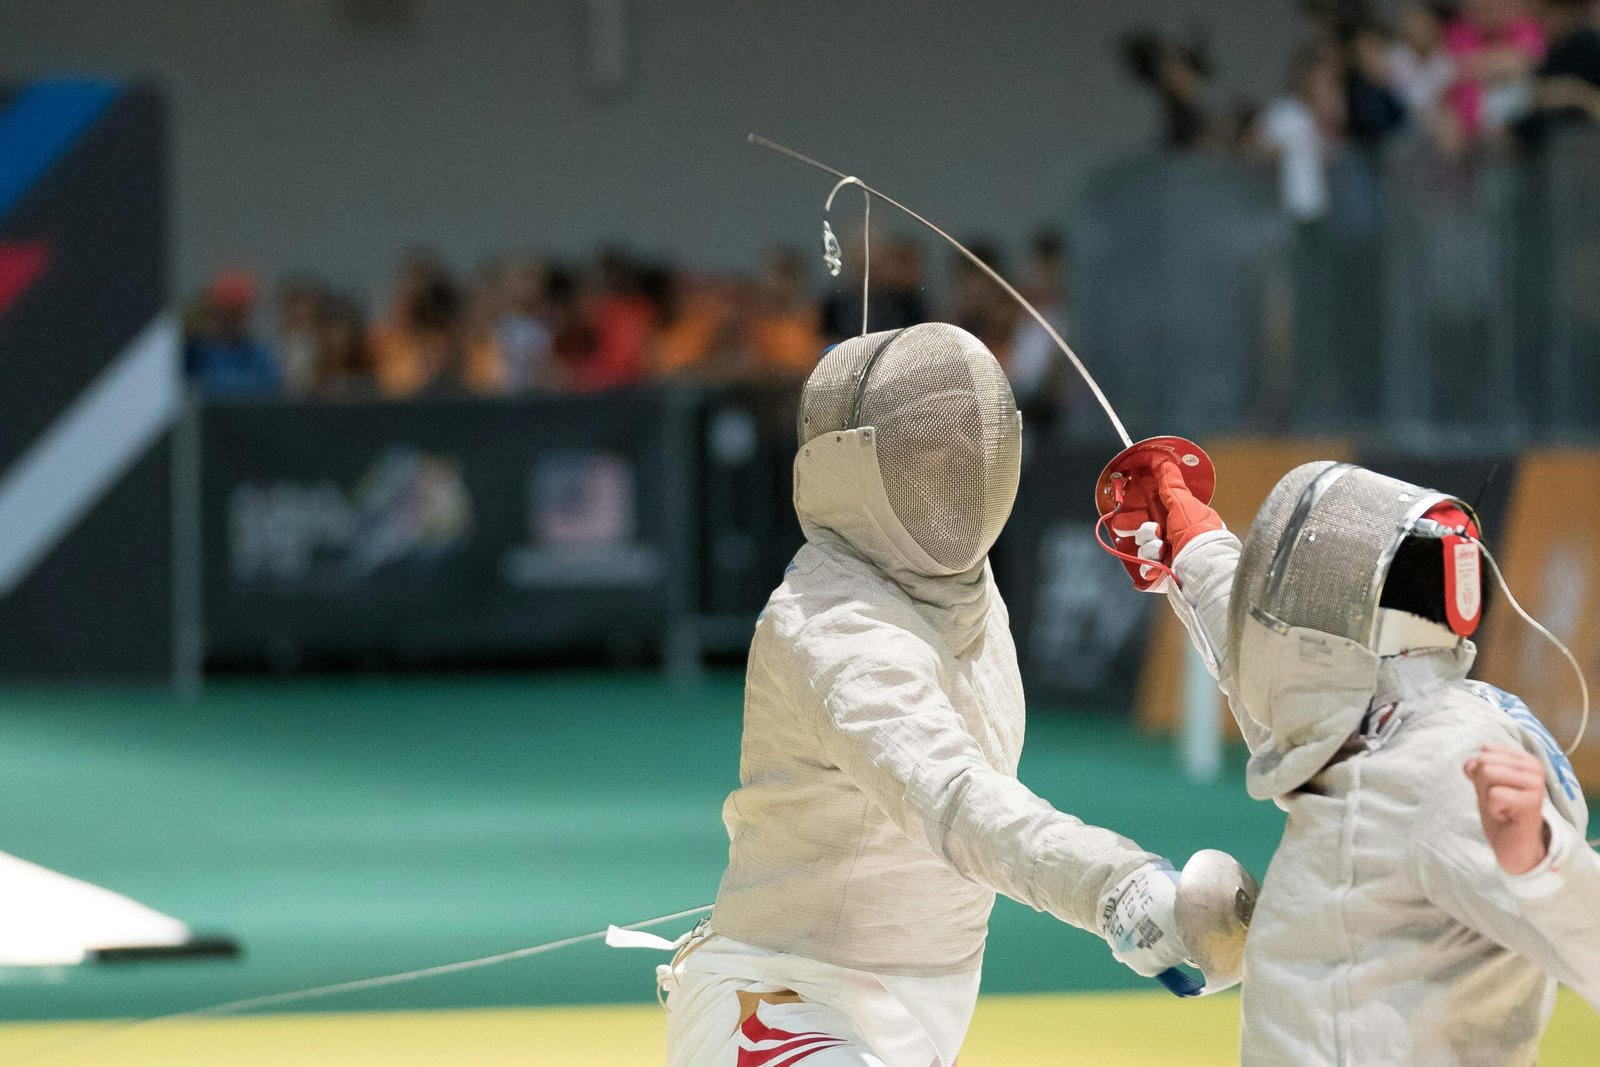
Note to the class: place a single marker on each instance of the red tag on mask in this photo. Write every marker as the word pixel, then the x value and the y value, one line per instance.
pixel 1463 570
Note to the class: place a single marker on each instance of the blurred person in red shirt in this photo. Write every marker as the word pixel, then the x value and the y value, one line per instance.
pixel 622 319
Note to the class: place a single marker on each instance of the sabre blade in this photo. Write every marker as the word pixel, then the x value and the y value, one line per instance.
pixel 1066 349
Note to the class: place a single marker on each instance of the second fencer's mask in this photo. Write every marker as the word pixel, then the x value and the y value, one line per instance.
pixel 910 438
pixel 1309 596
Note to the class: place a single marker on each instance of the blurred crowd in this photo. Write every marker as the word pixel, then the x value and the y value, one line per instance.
pixel 521 324
pixel 1471 78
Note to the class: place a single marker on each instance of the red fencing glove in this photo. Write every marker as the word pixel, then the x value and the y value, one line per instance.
pixel 1136 526
pixel 1184 518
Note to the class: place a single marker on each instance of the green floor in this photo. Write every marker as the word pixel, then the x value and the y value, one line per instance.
pixel 349 828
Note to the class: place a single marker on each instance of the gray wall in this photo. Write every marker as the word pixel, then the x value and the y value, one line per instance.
pixel 301 140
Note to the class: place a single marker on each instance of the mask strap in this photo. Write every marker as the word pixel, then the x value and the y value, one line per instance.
pixel 1583 685
pixel 830 244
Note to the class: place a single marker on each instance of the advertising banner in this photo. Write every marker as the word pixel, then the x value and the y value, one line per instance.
pixel 89 384
pixel 439 530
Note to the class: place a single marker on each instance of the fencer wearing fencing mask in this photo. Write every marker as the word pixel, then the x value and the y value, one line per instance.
pixel 878 810
pixel 1385 932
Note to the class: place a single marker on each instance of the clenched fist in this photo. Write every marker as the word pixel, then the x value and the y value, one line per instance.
pixel 1511 791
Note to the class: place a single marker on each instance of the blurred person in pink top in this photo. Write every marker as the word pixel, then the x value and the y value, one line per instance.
pixel 1495 45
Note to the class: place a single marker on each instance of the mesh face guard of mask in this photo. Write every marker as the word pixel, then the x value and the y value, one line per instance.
pixel 949 439
pixel 1320 548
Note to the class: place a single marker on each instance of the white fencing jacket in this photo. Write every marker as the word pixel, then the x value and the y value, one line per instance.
pixel 1386 933
pixel 878 810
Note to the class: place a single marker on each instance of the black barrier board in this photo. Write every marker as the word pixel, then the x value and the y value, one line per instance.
pixel 1078 622
pixel 88 384
pixel 440 530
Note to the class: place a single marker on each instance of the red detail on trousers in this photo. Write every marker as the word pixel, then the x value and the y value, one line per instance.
pixel 803 1045
pixel 21 263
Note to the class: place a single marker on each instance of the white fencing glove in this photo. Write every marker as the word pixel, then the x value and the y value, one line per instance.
pixel 1157 918
pixel 1138 919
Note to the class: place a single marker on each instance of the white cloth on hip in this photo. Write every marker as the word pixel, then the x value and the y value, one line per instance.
pixel 844 1018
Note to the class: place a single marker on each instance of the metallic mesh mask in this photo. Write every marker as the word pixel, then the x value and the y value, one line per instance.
pixel 949 438
pixel 1320 548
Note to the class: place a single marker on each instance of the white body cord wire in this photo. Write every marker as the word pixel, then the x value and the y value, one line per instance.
pixel 234 1007
pixel 866 240
pixel 1577 668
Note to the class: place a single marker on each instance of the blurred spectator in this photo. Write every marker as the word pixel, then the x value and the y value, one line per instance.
pixel 695 318
pixel 419 347
pixel 343 365
pixel 300 309
pixel 483 356
pixel 1373 108
pixel 525 335
pixel 899 290
pixel 978 305
pixel 1177 73
pixel 219 355
pixel 900 299
pixel 572 335
pixel 785 335
pixel 1419 67
pixel 1495 45
pixel 1301 130
pixel 1036 362
pixel 621 318
pixel 1567 84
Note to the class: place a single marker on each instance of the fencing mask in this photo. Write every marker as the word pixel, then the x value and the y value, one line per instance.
pixel 910 444
pixel 1309 596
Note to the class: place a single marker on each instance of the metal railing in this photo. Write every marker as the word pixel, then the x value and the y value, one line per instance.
pixel 1437 301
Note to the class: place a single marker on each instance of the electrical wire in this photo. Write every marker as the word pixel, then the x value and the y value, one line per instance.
pixel 272 1000
pixel 1577 668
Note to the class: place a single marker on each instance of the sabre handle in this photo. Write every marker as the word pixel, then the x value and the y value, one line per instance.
pixel 1180 984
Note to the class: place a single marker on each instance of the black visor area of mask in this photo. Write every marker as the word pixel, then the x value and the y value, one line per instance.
pixel 1415 582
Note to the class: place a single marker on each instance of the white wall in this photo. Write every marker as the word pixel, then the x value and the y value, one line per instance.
pixel 299 142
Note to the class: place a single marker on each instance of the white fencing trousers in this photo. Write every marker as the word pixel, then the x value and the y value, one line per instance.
pixel 730 1004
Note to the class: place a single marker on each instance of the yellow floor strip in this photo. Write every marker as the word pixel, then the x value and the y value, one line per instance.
pixel 1102 1030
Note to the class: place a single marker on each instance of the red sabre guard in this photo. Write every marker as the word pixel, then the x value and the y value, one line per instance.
pixel 1139 460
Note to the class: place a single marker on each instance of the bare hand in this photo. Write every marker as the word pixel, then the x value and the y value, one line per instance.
pixel 1511 792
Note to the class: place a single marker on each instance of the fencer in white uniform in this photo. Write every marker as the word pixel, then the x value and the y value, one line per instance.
pixel 1385 933
pixel 878 810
